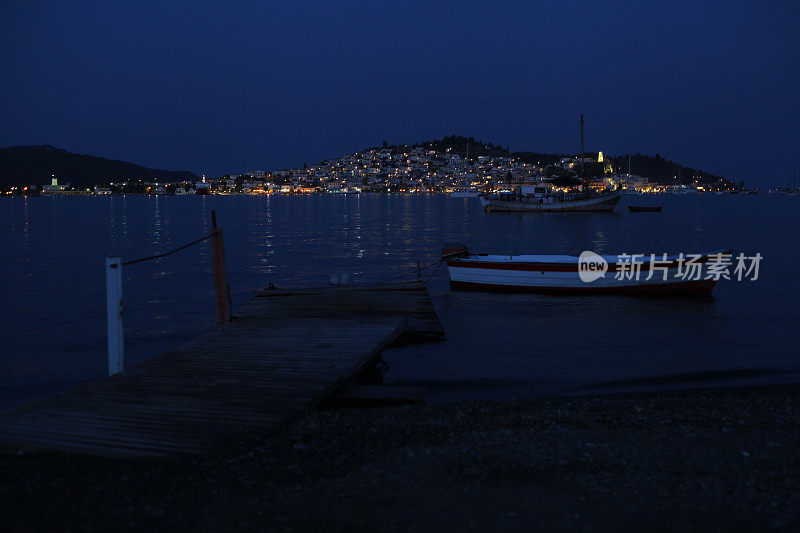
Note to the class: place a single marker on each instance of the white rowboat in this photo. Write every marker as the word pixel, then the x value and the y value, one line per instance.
pixel 588 274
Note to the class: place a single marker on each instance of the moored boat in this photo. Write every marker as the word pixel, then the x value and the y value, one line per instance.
pixel 537 199
pixel 465 194
pixel 588 273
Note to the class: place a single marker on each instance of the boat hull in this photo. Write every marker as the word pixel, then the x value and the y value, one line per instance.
pixel 549 274
pixel 686 288
pixel 606 202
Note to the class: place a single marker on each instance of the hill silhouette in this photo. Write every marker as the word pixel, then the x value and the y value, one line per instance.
pixel 34 165
pixel 663 170
pixel 469 146
pixel 654 167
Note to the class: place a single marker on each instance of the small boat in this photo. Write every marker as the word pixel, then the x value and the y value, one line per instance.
pixel 644 208
pixel 538 199
pixel 587 274
pixel 465 194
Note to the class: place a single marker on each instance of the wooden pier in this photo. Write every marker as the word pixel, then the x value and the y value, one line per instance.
pixel 285 352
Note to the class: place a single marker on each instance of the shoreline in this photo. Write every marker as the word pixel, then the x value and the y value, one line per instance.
pixel 722 458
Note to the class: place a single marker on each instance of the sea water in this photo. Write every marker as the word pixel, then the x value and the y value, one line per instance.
pixel 52 290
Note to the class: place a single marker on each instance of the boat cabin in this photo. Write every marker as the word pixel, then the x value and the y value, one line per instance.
pixel 535 194
pixel 532 191
pixel 538 194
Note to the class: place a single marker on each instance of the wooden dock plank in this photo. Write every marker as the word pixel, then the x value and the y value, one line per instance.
pixel 287 351
pixel 411 298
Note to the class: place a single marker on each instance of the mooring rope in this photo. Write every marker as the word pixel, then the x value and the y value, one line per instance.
pixel 415 271
pixel 157 256
pixel 441 262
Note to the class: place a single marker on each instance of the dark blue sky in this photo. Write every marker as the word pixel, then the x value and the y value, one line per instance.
pixel 224 86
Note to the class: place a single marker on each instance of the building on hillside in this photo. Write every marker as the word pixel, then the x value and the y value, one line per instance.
pixel 54 187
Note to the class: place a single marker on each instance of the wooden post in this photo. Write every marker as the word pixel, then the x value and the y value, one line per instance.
pixel 220 281
pixel 116 346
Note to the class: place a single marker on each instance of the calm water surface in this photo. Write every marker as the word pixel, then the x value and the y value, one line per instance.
pixel 53 287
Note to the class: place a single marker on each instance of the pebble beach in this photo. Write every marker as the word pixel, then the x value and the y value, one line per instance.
pixel 719 459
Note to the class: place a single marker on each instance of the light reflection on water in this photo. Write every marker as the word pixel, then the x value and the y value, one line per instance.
pixel 506 345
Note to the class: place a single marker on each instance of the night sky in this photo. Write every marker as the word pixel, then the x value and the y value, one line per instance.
pixel 216 87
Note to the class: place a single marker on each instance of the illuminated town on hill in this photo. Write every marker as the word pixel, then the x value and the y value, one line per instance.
pixel 399 170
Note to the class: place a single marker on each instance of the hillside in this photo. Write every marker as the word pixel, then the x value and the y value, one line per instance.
pixel 33 165
pixel 458 145
pixel 462 145
pixel 662 170
pixel 655 167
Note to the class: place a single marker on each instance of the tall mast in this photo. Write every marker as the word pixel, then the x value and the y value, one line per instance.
pixel 581 144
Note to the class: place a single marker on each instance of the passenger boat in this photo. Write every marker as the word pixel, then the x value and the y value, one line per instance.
pixel 539 199
pixel 644 208
pixel 588 274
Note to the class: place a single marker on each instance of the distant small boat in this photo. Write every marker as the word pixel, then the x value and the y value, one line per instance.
pixel 464 194
pixel 587 274
pixel 644 208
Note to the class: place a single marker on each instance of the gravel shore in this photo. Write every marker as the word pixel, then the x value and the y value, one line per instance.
pixel 724 459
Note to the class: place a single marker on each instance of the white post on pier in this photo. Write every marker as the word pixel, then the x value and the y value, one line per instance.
pixel 116 347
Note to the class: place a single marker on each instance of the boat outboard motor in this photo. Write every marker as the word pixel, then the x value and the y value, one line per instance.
pixel 454 249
